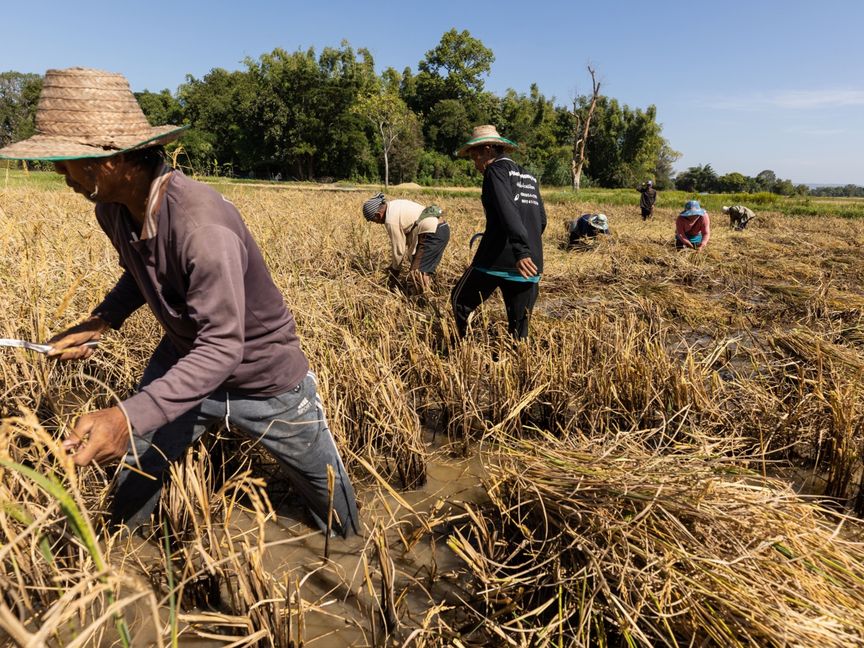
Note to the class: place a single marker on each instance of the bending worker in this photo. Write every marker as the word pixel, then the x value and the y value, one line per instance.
pixel 692 227
pixel 739 216
pixel 587 226
pixel 230 351
pixel 510 254
pixel 416 232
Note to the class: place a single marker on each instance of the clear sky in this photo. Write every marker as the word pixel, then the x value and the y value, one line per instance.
pixel 745 86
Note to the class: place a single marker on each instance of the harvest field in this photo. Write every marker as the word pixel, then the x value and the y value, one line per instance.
pixel 674 458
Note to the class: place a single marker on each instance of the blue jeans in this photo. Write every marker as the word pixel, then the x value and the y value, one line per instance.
pixel 291 426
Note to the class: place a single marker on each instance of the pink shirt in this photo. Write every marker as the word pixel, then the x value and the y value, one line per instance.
pixel 688 227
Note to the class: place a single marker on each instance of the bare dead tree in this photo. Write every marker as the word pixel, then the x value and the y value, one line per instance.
pixel 579 140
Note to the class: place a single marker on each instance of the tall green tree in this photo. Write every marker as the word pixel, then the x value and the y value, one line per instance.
pixel 348 74
pixel 530 121
pixel 624 143
pixel 405 160
pixel 453 69
pixel 160 108
pixel 302 111
pixel 19 96
pixel 733 182
pixel 448 125
pixel 450 77
pixel 701 177
pixel 664 170
pixel 219 108
pixel 391 118
pixel 765 180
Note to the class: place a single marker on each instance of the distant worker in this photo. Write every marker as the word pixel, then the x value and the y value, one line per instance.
pixel 739 216
pixel 649 197
pixel 510 254
pixel 417 233
pixel 693 227
pixel 587 226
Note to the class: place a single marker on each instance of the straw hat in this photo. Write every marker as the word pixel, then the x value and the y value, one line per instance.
pixel 485 134
pixel 86 113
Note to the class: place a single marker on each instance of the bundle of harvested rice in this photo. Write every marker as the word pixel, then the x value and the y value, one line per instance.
pixel 585 545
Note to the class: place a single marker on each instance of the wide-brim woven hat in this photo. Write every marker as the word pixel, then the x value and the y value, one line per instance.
pixel 85 113
pixel 692 208
pixel 486 134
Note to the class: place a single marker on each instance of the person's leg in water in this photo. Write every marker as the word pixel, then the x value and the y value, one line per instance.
pixel 293 428
pixel 472 289
pixel 519 300
pixel 137 493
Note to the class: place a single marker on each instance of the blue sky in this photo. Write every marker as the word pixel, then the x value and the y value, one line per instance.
pixel 745 86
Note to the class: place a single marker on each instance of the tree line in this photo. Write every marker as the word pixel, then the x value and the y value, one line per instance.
pixel 328 116
pixel 703 178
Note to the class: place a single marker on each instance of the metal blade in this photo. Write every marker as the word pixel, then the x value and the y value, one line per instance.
pixel 35 346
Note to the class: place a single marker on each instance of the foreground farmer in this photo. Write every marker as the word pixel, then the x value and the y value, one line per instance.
pixel 510 254
pixel 647 199
pixel 417 233
pixel 739 216
pixel 692 227
pixel 587 226
pixel 230 351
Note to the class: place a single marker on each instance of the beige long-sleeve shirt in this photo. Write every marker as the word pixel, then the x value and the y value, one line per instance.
pixel 400 222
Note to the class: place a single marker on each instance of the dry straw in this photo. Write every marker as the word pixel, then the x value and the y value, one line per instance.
pixel 621 442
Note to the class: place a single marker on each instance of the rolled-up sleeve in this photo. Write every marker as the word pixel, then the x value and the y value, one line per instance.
pixel 215 260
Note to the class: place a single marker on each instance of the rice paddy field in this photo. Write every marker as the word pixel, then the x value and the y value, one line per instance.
pixel 673 459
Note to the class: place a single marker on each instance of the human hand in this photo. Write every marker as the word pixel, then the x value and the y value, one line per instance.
pixel 98 437
pixel 67 344
pixel 526 267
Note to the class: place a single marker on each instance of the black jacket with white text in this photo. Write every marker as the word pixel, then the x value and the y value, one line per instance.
pixel 515 218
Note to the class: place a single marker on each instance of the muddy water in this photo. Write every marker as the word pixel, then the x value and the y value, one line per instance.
pixel 342 604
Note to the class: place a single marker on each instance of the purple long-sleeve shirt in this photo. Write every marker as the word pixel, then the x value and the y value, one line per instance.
pixel 205 280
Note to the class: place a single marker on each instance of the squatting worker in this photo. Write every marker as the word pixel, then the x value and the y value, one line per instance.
pixel 230 350
pixel 510 254
pixel 417 233
pixel 647 199
pixel 692 227
pixel 587 226
pixel 739 216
